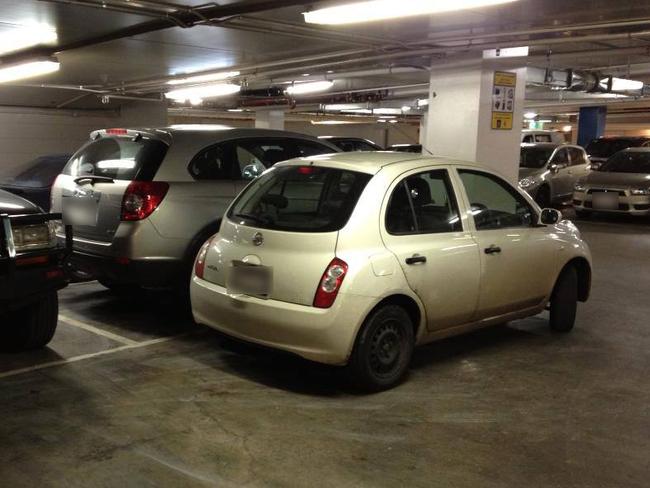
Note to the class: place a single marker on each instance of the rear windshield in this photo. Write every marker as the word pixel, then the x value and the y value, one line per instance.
pixel 37 173
pixel 120 158
pixel 300 199
pixel 604 148
pixel 534 157
pixel 628 162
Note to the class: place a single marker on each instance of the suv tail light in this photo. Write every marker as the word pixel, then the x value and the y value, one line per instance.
pixel 141 198
pixel 199 264
pixel 330 283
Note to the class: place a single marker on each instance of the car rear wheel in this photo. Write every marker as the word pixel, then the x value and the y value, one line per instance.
pixel 383 349
pixel 31 327
pixel 564 301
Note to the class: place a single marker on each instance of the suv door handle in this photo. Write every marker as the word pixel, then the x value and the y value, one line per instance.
pixel 492 249
pixel 415 259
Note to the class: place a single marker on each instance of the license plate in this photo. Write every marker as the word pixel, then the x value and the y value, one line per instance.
pixel 80 211
pixel 605 201
pixel 248 279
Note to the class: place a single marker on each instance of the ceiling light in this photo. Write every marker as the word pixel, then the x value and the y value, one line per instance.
pixel 387 111
pixel 28 69
pixel 423 102
pixel 358 111
pixel 332 122
pixel 567 128
pixel 235 110
pixel 204 78
pixel 203 91
pixel 622 84
pixel 311 87
pixel 25 36
pixel 343 106
pixel 390 9
pixel 406 108
pixel 196 101
pixel 393 121
pixel 530 115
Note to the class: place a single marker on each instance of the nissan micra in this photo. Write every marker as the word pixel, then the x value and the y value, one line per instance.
pixel 355 258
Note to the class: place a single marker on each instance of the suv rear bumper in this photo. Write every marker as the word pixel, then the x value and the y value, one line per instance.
pixel 148 273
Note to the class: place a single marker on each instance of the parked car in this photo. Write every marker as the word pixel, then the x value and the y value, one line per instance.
pixel 352 144
pixel 142 201
pixel 34 179
pixel 409 148
pixel 622 185
pixel 31 273
pixel 529 136
pixel 355 258
pixel 603 148
pixel 549 171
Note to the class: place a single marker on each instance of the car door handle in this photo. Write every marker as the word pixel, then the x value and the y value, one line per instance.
pixel 492 249
pixel 415 259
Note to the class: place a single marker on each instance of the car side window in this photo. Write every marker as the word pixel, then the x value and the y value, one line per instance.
pixel 212 164
pixel 494 203
pixel 423 203
pixel 304 149
pixel 561 158
pixel 543 138
pixel 577 156
pixel 527 139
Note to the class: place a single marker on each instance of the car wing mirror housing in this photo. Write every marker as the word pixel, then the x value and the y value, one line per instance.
pixel 550 216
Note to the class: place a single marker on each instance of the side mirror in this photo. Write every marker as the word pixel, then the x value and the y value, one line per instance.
pixel 250 172
pixel 550 216
pixel 554 167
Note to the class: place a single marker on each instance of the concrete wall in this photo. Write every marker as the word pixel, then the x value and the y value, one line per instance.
pixel 28 133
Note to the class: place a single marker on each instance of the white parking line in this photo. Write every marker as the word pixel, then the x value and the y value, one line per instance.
pixel 95 330
pixel 81 357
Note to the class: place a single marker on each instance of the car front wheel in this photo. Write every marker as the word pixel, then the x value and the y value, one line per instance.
pixel 383 349
pixel 564 301
pixel 30 327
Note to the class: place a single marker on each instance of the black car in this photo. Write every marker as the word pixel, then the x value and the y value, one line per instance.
pixel 33 180
pixel 408 148
pixel 601 149
pixel 31 272
pixel 352 144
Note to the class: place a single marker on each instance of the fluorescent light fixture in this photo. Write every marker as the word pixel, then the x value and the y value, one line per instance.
pixel 343 106
pixel 423 102
pixel 387 111
pixel 622 84
pixel 406 108
pixel 28 69
pixel 235 110
pixel 204 78
pixel 530 115
pixel 390 9
pixel 203 91
pixel 393 121
pixel 567 128
pixel 202 127
pixel 332 122
pixel 364 111
pixel 311 87
pixel 25 36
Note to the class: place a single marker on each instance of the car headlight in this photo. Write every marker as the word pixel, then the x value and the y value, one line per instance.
pixel 34 237
pixel 579 187
pixel 640 191
pixel 527 183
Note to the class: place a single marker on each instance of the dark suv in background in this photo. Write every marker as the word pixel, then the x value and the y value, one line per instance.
pixel 601 149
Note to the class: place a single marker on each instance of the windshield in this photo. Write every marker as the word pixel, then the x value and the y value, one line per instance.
pixel 37 173
pixel 605 148
pixel 628 162
pixel 300 199
pixel 535 157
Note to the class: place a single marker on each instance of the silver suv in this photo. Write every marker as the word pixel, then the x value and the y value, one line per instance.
pixel 142 201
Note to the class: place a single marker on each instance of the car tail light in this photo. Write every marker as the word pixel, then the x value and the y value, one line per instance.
pixel 117 132
pixel 141 198
pixel 330 283
pixel 199 264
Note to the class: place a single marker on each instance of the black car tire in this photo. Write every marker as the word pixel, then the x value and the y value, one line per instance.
pixel 564 301
pixel 383 349
pixel 31 327
pixel 543 197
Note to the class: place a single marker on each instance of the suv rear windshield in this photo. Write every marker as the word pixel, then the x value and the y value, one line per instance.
pixel 628 162
pixel 604 148
pixel 300 199
pixel 120 158
pixel 535 157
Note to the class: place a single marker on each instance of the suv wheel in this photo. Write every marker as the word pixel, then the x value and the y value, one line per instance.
pixel 31 327
pixel 383 349
pixel 564 301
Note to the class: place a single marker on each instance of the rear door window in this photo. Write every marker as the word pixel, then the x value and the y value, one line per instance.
pixel 300 199
pixel 212 164
pixel 543 138
pixel 577 156
pixel 120 158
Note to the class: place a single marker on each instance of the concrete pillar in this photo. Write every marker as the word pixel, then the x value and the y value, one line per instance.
pixel 465 121
pixel 591 124
pixel 269 119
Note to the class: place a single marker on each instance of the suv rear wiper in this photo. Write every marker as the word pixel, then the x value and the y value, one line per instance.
pixel 94 179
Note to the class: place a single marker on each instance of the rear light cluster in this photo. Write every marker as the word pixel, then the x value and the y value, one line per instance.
pixel 199 264
pixel 141 198
pixel 330 283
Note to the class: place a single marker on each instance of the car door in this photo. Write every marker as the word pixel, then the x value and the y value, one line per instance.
pixel 579 165
pixel 517 256
pixel 561 173
pixel 423 228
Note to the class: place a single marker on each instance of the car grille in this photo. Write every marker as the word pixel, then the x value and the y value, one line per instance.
pixel 621 193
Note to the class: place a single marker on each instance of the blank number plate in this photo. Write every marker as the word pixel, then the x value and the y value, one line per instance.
pixel 247 279
pixel 605 201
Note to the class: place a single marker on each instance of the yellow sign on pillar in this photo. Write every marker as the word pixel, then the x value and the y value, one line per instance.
pixel 503 100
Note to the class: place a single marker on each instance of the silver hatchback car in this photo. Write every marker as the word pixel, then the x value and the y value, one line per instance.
pixel 142 201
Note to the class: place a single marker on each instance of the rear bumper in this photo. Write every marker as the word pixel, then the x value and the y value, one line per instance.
pixel 322 335
pixel 148 273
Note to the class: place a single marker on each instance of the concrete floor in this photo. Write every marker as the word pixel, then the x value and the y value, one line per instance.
pixel 130 393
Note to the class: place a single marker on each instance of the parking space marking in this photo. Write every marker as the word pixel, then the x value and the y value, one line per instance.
pixel 81 357
pixel 95 330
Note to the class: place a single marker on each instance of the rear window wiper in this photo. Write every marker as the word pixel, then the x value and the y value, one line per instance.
pixel 254 218
pixel 94 179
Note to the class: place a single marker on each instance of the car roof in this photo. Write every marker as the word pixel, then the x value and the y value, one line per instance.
pixel 372 162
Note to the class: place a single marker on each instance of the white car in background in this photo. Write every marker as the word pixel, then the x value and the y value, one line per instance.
pixel 355 258
pixel 530 136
